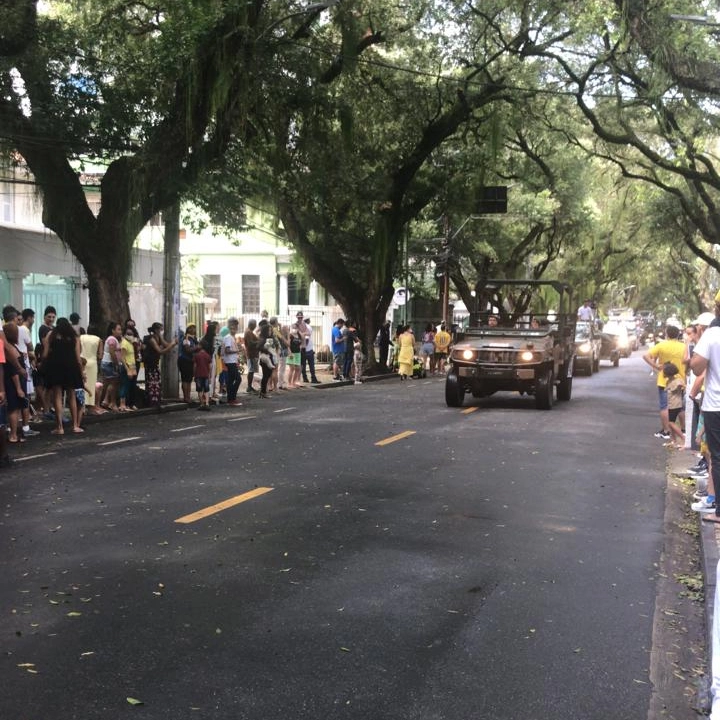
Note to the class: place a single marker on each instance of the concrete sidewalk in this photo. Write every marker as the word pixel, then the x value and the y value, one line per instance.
pixel 678 464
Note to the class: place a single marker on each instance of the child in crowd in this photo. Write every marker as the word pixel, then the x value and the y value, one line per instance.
pixel 80 393
pixel 358 359
pixel 675 389
pixel 202 363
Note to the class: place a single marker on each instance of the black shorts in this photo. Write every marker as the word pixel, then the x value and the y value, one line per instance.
pixel 673 413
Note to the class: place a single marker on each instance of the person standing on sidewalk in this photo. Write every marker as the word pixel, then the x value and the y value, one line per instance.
pixel 706 359
pixel 5 460
pixel 230 358
pixel 669 350
pixel 338 349
pixel 250 341
pixel 309 355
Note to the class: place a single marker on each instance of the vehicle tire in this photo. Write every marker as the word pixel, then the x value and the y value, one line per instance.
pixel 564 390
pixel 454 391
pixel 544 389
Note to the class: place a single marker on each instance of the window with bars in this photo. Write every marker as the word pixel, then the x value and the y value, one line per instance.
pixel 7 196
pixel 250 294
pixel 211 288
pixel 298 291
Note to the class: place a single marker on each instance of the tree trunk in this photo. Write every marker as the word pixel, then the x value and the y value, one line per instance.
pixel 108 298
pixel 171 289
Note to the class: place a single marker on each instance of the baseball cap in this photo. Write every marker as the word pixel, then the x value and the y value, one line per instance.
pixel 299 313
pixel 704 319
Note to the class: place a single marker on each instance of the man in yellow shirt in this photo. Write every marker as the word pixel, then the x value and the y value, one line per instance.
pixel 669 350
pixel 442 345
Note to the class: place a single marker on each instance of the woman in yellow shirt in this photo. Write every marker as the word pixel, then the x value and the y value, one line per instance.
pixel 406 354
pixel 128 372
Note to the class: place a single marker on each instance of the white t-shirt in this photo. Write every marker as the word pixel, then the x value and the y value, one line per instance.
pixel 230 349
pixel 24 340
pixel 585 313
pixel 709 347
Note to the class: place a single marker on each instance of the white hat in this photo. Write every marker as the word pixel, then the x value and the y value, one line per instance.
pixel 704 319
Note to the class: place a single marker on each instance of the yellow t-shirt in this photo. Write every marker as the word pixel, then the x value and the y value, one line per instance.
pixel 442 341
pixel 128 356
pixel 668 351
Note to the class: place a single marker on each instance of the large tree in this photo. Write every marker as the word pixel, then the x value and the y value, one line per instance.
pixel 646 81
pixel 353 158
pixel 154 92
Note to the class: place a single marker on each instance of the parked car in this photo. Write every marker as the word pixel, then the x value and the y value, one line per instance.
pixel 588 348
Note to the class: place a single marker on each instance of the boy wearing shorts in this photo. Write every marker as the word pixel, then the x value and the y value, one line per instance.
pixel 202 363
pixel 675 390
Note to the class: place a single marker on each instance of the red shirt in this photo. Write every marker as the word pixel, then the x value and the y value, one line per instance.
pixel 202 362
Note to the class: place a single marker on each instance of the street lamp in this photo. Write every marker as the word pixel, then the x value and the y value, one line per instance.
pixel 445 254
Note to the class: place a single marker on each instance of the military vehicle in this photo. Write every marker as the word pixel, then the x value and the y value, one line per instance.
pixel 515 344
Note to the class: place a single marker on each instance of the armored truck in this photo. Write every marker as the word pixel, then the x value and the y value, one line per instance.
pixel 515 348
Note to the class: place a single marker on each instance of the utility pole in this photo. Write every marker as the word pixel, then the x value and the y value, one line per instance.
pixel 445 280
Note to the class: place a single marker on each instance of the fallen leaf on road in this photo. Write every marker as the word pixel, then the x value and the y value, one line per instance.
pixel 134 701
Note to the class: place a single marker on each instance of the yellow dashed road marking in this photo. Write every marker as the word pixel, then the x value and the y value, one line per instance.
pixel 224 505
pixel 395 438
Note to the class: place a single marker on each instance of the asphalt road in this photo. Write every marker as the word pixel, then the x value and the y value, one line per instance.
pixel 495 562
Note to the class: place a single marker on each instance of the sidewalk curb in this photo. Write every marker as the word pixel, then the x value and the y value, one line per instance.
pixel 344 383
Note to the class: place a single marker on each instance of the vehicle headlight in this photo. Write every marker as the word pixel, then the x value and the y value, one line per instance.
pixel 467 354
pixel 585 348
pixel 526 355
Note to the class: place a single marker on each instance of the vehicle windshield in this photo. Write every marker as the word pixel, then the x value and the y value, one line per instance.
pixel 582 331
pixel 615 328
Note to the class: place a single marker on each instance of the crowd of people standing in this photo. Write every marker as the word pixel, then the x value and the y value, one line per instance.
pixel 92 371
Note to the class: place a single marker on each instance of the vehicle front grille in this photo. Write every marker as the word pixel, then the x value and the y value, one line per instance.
pixel 498 357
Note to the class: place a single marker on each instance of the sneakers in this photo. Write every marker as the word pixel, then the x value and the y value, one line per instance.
pixel 234 403
pixel 358 382
pixel 703 505
pixel 700 494
pixel 30 432
pixel 661 434
pixel 700 467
